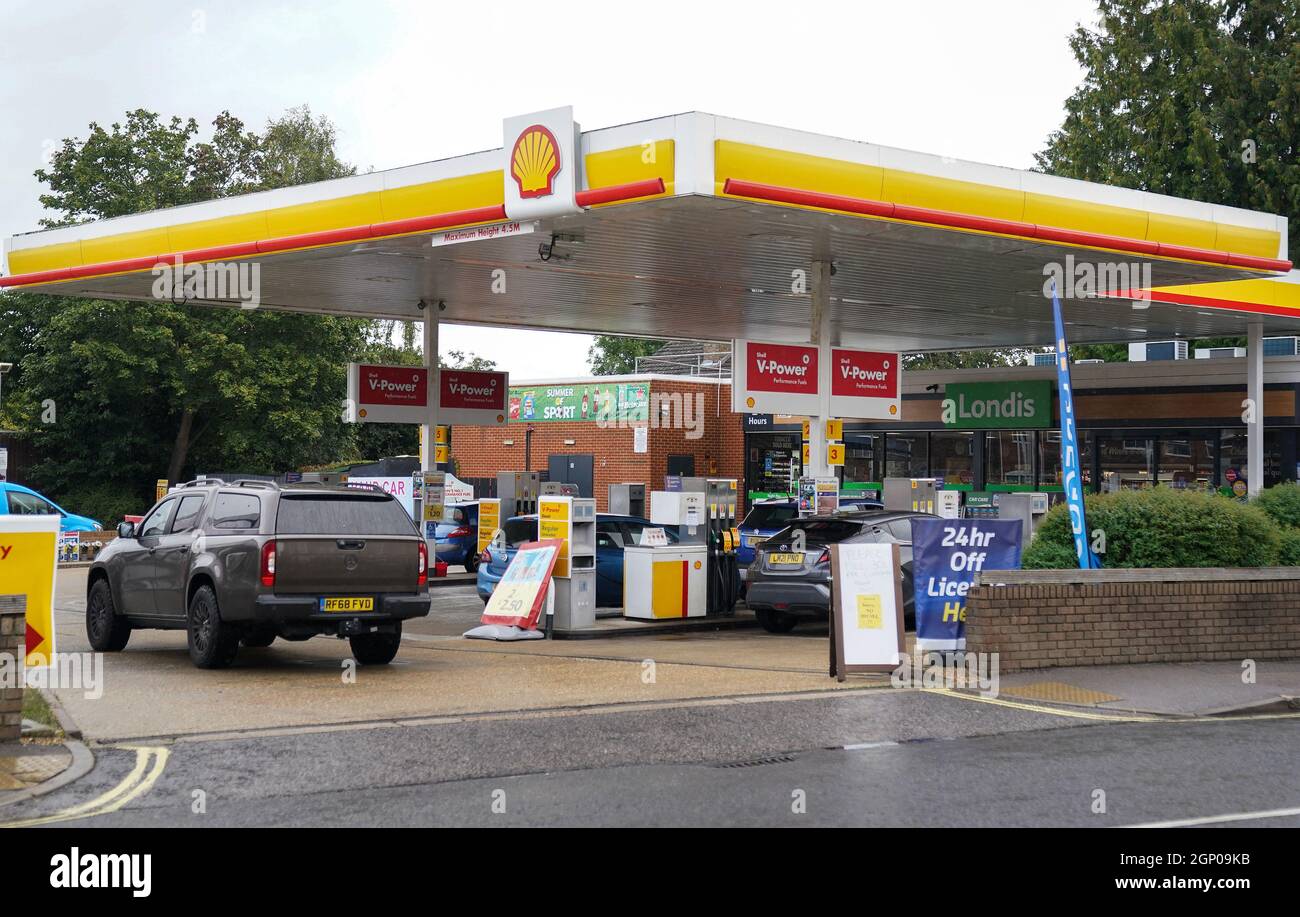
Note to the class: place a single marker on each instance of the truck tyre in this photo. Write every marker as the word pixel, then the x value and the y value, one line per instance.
pixel 106 630
pixel 376 648
pixel 775 622
pixel 258 637
pixel 213 644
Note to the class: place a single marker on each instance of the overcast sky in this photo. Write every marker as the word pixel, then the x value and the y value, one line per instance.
pixel 411 82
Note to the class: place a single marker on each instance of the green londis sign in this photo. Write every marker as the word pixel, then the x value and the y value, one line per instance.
pixel 998 405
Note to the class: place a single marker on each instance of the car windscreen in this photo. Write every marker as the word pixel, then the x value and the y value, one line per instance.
pixel 520 530
pixel 820 531
pixel 341 514
pixel 769 516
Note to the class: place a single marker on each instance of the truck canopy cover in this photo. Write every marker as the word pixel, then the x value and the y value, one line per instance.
pixel 341 514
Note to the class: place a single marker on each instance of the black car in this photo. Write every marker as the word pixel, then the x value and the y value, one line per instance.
pixel 250 561
pixel 789 581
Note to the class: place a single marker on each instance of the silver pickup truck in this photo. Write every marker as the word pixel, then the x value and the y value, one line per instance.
pixel 250 561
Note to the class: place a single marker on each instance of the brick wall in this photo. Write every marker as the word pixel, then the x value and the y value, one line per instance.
pixel 719 451
pixel 1042 618
pixel 13 642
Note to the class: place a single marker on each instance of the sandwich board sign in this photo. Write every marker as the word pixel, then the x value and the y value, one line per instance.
pixel 519 597
pixel 866 609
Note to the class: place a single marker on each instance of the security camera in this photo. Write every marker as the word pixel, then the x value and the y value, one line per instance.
pixel 442 305
pixel 422 305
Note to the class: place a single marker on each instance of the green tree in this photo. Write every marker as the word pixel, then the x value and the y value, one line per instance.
pixel 615 355
pixel 142 390
pixel 1196 98
pixel 964 359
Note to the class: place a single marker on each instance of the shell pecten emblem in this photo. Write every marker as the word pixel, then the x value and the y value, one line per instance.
pixel 535 161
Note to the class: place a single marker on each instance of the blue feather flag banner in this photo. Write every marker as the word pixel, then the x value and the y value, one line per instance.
pixel 1071 472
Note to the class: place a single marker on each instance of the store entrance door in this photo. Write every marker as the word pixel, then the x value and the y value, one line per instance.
pixel 573 469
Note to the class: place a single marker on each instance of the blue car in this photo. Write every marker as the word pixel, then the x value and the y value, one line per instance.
pixel 456 543
pixel 767 518
pixel 613 533
pixel 17 500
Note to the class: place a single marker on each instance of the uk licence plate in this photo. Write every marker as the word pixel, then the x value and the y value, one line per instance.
pixel 346 604
pixel 785 559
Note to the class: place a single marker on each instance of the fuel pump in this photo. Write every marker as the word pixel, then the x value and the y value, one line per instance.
pixel 723 542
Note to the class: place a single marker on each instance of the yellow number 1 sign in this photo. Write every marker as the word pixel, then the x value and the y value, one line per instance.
pixel 28 549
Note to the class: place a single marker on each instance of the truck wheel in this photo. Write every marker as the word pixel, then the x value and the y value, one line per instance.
pixel 213 644
pixel 106 630
pixel 775 622
pixel 258 637
pixel 376 648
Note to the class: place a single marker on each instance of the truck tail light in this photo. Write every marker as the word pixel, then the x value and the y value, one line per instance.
pixel 268 563
pixel 422 578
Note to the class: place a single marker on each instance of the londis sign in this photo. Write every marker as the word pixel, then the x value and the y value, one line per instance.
pixel 775 378
pixel 473 397
pixel 998 405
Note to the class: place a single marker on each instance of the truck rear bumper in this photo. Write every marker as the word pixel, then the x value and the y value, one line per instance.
pixel 304 611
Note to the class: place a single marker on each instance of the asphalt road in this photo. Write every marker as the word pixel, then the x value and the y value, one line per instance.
pixel 732 758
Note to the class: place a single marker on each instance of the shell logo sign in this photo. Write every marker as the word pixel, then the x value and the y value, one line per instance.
pixel 540 164
pixel 535 161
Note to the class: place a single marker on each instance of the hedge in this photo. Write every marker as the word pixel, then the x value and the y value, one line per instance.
pixel 1164 527
pixel 1282 503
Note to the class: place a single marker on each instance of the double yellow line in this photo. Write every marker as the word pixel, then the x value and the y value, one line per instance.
pixel 149 764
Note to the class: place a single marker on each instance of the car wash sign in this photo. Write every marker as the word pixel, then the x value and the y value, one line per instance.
pixel 946 555
pixel 775 378
pixel 472 397
pixel 387 394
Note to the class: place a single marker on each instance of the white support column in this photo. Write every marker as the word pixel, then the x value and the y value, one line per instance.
pixel 427 447
pixel 820 333
pixel 1255 394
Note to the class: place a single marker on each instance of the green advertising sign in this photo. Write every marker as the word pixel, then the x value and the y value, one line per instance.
pixel 612 402
pixel 998 405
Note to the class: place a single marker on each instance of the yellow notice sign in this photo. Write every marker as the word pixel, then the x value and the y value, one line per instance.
pixel 834 429
pixel 869 612
pixel 28 552
pixel 807 430
pixel 553 522
pixel 440 435
pixel 441 454
pixel 834 453
pixel 489 520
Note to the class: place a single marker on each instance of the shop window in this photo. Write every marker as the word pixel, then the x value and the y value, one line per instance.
pixel 1127 462
pixel 1049 458
pixel 773 463
pixel 907 455
pixel 1009 457
pixel 1187 462
pixel 1233 458
pixel 861 457
pixel 952 457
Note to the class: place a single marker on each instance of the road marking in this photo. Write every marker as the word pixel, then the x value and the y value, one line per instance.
pixel 1039 708
pixel 1218 819
pixel 149 764
pixel 861 746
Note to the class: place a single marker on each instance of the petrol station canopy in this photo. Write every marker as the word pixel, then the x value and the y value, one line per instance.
pixel 695 226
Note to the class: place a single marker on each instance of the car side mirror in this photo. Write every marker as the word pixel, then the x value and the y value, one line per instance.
pixel 126 530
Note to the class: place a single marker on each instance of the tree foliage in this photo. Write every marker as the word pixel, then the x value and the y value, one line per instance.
pixel 1196 98
pixel 615 355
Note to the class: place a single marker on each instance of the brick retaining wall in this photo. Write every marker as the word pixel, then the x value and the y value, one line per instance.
pixel 1040 618
pixel 13 642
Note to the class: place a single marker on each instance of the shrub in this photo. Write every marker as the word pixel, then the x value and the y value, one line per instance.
pixel 1282 503
pixel 1288 554
pixel 1162 527
pixel 104 502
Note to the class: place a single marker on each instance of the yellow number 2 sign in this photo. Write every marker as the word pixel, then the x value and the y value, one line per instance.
pixel 28 552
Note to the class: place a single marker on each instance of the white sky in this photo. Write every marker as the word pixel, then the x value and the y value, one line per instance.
pixel 411 82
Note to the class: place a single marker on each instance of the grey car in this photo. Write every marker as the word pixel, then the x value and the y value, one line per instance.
pixel 789 582
pixel 250 561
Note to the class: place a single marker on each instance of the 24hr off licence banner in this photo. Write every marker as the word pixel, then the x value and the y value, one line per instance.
pixel 946 555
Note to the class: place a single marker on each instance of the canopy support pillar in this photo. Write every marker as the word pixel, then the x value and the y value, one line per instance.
pixel 428 447
pixel 820 333
pixel 1255 413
